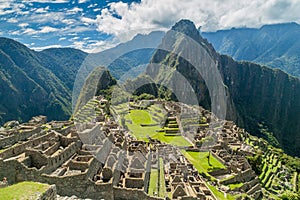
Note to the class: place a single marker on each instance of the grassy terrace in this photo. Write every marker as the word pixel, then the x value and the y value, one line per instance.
pixel 88 112
pixel 157 181
pixel 152 117
pixel 153 189
pixel 23 190
pixel 235 185
pixel 200 161
pixel 269 170
pixel 220 195
pixel 162 183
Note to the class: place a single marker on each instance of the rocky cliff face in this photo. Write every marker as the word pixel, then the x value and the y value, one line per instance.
pixel 263 95
pixel 249 93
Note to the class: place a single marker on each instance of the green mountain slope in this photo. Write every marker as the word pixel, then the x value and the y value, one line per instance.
pixel 63 62
pixel 255 94
pixel 35 83
pixel 27 87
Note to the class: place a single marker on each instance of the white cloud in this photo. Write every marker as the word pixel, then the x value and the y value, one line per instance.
pixel 126 20
pixel 83 1
pixel 30 31
pixel 46 1
pixel 96 9
pixel 77 29
pixel 93 46
pixel 68 21
pixel 42 30
pixel 54 17
pixel 10 7
pixel 99 46
pixel 74 38
pixel 88 21
pixel 22 25
pixel 12 20
pixel 78 45
pixel 48 29
pixel 15 32
pixel 92 5
pixel 46 47
pixel 74 10
pixel 42 10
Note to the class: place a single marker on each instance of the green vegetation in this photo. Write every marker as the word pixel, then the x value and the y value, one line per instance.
pixel 162 183
pixel 23 190
pixel 135 118
pixel 99 82
pixel 157 183
pixel 256 162
pixel 153 189
pixel 194 122
pixel 235 185
pixel 88 112
pixel 276 170
pixel 201 163
pixel 290 196
pixel 175 140
pixel 133 121
pixel 31 84
pixel 144 96
pixel 268 135
pixel 220 195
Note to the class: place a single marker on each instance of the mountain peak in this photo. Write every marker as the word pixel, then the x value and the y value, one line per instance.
pixel 186 27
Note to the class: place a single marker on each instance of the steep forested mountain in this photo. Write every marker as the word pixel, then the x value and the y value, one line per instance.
pixel 33 83
pixel 277 46
pixel 63 62
pixel 256 95
pixel 28 87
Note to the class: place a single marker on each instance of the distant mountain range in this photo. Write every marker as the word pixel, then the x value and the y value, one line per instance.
pixel 277 46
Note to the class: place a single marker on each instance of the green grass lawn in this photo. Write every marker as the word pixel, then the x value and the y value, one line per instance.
pixel 235 185
pixel 135 118
pixel 162 184
pixel 23 190
pixel 153 182
pixel 141 117
pixel 220 195
pixel 200 161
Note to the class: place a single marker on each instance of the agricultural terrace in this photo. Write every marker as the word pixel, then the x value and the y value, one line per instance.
pixel 201 162
pixel 148 123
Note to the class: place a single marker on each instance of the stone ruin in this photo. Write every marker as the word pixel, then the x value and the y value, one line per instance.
pixel 98 159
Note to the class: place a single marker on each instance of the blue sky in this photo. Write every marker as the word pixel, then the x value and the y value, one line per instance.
pixel 96 25
pixel 48 23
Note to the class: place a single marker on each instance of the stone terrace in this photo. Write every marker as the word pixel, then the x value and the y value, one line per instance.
pixel 93 157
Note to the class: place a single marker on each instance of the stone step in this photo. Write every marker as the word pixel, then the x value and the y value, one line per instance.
pixel 256 188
